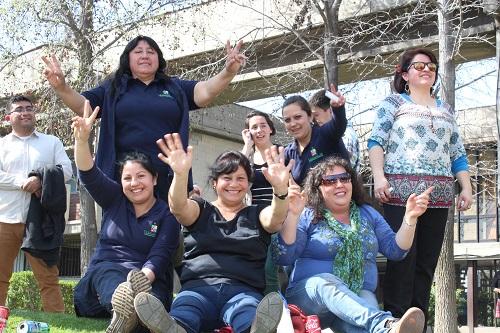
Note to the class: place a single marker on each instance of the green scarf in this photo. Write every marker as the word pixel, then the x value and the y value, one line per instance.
pixel 348 263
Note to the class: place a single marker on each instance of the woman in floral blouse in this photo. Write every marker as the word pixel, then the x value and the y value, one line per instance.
pixel 415 144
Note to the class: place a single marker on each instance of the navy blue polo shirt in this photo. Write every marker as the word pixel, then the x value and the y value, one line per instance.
pixel 143 114
pixel 325 141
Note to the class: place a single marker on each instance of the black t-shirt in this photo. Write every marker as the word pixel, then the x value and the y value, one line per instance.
pixel 262 191
pixel 220 251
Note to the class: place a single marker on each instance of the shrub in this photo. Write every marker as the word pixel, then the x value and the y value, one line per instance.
pixel 24 293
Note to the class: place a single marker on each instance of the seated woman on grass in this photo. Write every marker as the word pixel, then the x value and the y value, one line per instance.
pixel 226 245
pixel 333 245
pixel 137 239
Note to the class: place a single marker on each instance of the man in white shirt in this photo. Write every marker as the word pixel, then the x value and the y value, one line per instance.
pixel 22 151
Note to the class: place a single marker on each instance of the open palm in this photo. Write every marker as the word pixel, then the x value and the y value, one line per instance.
pixel 173 154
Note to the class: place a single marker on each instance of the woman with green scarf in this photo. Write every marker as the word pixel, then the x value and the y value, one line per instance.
pixel 333 245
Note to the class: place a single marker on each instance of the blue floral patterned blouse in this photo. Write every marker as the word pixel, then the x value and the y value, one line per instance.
pixel 420 145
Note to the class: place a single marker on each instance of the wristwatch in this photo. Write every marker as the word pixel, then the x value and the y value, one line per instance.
pixel 281 196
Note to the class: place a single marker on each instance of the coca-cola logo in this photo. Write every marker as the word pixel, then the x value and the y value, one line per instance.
pixel 312 324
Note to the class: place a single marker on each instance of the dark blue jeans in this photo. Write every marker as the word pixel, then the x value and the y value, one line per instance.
pixel 92 294
pixel 206 307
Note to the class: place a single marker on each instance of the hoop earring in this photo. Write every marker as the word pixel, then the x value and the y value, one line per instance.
pixel 407 88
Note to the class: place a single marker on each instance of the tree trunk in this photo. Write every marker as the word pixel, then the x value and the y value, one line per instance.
pixel 331 47
pixel 445 307
pixel 88 234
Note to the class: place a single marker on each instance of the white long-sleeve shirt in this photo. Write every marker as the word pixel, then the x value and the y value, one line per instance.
pixel 18 157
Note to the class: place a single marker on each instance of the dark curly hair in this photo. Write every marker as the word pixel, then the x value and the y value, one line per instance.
pixel 312 183
pixel 405 60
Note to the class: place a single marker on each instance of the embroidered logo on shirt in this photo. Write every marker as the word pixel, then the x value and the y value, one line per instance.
pixel 152 230
pixel 314 155
pixel 165 93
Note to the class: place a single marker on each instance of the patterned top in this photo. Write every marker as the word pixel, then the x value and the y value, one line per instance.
pixel 317 245
pixel 351 143
pixel 420 144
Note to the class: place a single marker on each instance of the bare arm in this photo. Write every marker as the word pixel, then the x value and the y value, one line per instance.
pixel 381 185
pixel 185 210
pixel 296 204
pixel 415 206
pixel 206 91
pixel 464 200
pixel 57 81
pixel 81 131
pixel 277 174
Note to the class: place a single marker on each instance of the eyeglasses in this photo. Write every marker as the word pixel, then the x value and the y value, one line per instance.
pixel 21 109
pixel 332 179
pixel 420 65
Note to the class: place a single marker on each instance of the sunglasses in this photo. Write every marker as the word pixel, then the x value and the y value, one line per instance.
pixel 332 179
pixel 419 66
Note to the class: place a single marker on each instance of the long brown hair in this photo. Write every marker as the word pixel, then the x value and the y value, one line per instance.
pixel 315 198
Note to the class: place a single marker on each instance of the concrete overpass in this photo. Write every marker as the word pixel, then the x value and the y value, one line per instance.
pixel 282 64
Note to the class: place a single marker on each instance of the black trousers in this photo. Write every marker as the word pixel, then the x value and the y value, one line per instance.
pixel 407 283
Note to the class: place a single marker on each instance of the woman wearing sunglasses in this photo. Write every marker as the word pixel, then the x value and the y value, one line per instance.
pixel 414 144
pixel 333 244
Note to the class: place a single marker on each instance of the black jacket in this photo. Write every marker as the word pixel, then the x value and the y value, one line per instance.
pixel 45 222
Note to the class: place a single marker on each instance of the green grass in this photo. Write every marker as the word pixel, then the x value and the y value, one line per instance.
pixel 58 322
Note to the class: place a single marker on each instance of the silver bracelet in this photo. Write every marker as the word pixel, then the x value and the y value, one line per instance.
pixel 408 224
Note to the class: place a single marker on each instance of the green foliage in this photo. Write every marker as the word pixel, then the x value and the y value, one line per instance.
pixel 24 293
pixel 58 322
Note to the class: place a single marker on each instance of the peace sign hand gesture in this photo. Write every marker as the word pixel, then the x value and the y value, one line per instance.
pixel 234 58
pixel 53 73
pixel 83 125
pixel 173 154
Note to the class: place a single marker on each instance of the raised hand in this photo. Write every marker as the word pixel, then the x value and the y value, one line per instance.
pixel 53 73
pixel 297 198
pixel 247 137
pixel 173 154
pixel 341 99
pixel 276 173
pixel 234 58
pixel 83 125
pixel 416 205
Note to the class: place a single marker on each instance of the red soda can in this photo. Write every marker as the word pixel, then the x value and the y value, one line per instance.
pixel 4 315
pixel 312 324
